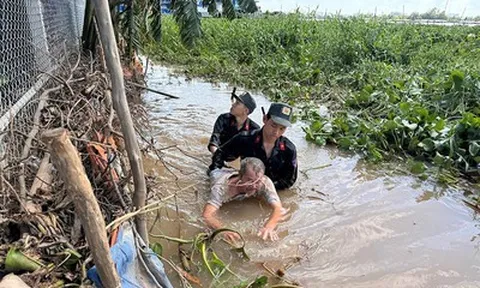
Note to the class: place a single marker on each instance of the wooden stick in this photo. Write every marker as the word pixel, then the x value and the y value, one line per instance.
pixel 153 90
pixel 43 178
pixel 32 134
pixel 14 192
pixel 67 161
pixel 112 57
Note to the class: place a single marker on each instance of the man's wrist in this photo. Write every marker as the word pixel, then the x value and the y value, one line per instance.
pixel 270 225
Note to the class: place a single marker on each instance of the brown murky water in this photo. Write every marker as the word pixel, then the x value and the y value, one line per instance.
pixel 352 224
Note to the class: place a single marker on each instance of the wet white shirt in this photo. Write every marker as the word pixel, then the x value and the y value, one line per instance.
pixel 219 188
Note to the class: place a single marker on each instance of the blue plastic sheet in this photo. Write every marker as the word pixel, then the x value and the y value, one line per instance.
pixel 138 267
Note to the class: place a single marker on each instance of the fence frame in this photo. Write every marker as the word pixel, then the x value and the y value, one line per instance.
pixel 46 64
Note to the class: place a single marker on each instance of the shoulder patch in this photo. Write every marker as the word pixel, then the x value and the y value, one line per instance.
pixel 282 146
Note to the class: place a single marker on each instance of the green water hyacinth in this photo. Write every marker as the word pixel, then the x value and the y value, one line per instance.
pixel 392 90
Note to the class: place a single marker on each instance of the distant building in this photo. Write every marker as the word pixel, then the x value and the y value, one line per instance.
pixel 167 3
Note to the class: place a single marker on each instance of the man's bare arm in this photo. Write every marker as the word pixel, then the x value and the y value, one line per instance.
pixel 268 230
pixel 210 217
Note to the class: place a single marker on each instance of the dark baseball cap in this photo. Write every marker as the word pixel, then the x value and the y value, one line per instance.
pixel 247 100
pixel 281 114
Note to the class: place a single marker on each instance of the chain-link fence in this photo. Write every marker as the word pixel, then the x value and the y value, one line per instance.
pixel 36 37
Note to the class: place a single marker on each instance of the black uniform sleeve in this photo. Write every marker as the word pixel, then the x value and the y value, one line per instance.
pixel 232 149
pixel 217 131
pixel 289 173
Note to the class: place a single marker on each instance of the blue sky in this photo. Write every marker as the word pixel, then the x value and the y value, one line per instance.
pixel 348 7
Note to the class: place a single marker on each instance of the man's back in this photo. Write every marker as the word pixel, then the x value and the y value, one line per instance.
pixel 226 128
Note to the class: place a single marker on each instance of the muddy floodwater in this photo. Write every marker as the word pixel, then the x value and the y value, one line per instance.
pixel 352 224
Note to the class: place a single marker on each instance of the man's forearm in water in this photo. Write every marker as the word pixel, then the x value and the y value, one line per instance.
pixel 275 216
pixel 210 217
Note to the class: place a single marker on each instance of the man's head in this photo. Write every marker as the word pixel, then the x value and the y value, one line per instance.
pixel 277 120
pixel 251 174
pixel 243 105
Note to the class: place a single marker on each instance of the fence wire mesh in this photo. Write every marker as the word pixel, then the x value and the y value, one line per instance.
pixel 36 37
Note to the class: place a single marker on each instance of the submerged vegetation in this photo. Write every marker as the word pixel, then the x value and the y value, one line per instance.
pixel 382 89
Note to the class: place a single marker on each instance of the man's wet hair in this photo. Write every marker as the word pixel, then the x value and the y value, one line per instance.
pixel 253 163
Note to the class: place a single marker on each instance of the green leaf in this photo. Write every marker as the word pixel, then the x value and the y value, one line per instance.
pixel 344 143
pixel 423 176
pixel 155 25
pixel 157 248
pixel 320 141
pixel 439 125
pixel 473 148
pixel 392 96
pixel 188 19
pixel 363 96
pixel 427 144
pixel 129 26
pixel 457 76
pixel 398 84
pixel 368 88
pixel 404 107
pixel 374 152
pixel 421 111
pixel 73 257
pixel 439 159
pixel 447 85
pixel 316 126
pixel 417 167
pixel 217 264
pixel 308 133
pixel 204 253
pixel 390 125
pixel 260 282
pixel 16 261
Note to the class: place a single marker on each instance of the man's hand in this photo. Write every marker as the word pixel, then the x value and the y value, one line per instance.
pixel 266 233
pixel 268 230
pixel 231 237
pixel 213 148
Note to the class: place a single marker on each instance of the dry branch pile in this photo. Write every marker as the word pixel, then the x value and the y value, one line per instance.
pixel 37 216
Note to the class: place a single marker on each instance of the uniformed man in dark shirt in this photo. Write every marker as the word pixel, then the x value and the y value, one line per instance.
pixel 277 152
pixel 230 124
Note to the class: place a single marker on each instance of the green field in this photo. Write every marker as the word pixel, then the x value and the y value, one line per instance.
pixel 387 90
